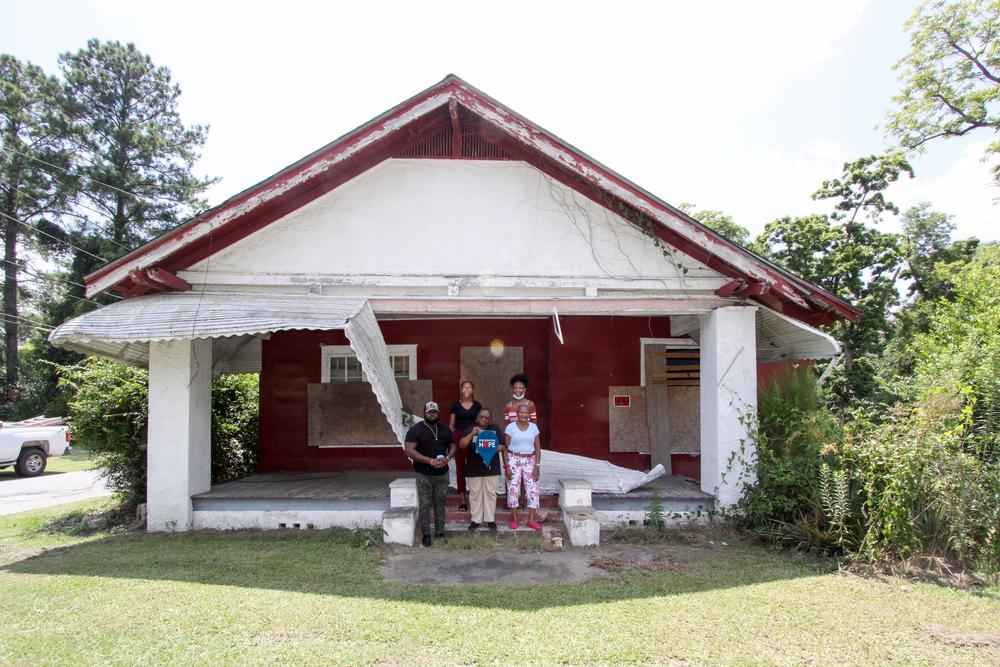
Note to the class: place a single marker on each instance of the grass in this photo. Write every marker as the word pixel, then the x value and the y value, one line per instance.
pixel 309 597
pixel 79 460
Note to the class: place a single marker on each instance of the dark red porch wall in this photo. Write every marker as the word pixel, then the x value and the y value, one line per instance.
pixel 598 352
pixel 569 383
pixel 291 360
pixel 775 369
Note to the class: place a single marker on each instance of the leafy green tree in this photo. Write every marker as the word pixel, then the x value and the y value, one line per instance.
pixel 136 155
pixel 33 187
pixel 718 221
pixel 845 254
pixel 951 76
pixel 927 248
pixel 109 417
pixel 927 242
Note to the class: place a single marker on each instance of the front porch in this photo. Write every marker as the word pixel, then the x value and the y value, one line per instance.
pixel 315 500
pixel 587 382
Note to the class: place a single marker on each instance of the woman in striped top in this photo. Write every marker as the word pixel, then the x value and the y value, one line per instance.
pixel 519 384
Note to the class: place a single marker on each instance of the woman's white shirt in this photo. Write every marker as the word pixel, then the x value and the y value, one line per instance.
pixel 522 442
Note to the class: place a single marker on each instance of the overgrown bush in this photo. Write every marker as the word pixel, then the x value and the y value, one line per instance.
pixel 910 487
pixel 796 434
pixel 108 416
pixel 962 347
pixel 235 405
pixel 924 494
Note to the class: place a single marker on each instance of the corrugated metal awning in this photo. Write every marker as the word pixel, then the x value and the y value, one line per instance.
pixel 236 323
pixel 179 315
pixel 779 337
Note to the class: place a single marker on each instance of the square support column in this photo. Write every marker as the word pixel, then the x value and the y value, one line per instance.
pixel 179 451
pixel 728 401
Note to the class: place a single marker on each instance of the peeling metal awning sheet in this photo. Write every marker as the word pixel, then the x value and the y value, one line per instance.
pixel 780 337
pixel 366 340
pixel 235 322
pixel 180 315
pixel 604 476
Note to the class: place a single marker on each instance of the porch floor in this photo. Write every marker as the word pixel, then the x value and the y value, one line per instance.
pixel 373 486
pixel 280 500
pixel 307 486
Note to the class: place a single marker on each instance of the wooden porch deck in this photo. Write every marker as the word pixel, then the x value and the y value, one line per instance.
pixel 307 499
pixel 373 487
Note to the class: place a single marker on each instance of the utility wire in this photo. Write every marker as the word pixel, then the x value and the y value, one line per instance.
pixel 39 294
pixel 30 326
pixel 54 278
pixel 41 325
pixel 54 238
pixel 87 221
pixel 89 178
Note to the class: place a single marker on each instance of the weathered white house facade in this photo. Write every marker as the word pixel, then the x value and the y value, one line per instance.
pixel 449 238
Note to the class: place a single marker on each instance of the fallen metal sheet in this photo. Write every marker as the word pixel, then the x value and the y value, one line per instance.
pixel 604 476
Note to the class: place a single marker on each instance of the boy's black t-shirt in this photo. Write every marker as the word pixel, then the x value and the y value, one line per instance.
pixel 430 444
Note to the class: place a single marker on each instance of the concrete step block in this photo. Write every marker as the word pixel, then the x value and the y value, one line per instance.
pixel 403 492
pixel 399 525
pixel 574 493
pixel 582 526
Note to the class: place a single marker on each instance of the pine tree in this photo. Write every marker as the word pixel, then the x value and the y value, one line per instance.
pixel 33 187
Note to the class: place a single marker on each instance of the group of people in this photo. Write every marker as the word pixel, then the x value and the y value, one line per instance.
pixel 485 448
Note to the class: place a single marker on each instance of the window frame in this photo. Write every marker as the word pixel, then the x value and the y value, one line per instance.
pixel 328 352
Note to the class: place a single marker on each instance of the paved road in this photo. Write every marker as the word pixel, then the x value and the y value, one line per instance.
pixel 21 495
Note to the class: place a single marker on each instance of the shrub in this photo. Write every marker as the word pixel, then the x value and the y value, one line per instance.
pixel 795 435
pixel 235 407
pixel 108 416
pixel 924 494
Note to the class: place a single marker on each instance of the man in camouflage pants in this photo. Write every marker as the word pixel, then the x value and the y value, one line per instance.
pixel 430 446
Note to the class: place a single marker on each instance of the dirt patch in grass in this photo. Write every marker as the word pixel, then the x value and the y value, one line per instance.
pixel 953 637
pixel 641 562
pixel 84 522
pixel 449 568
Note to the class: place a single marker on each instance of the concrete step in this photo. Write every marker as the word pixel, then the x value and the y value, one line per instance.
pixel 454 500
pixel 504 516
pixel 549 530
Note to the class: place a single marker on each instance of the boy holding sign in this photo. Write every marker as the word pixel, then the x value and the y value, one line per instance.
pixel 483 444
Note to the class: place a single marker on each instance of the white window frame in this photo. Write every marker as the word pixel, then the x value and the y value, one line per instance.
pixel 332 351
pixel 676 343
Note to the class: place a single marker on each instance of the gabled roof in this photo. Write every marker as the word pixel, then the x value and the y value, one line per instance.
pixel 453 103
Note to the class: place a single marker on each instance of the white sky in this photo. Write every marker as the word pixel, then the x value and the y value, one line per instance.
pixel 737 106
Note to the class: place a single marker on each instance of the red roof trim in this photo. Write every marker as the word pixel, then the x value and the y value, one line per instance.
pixel 367 145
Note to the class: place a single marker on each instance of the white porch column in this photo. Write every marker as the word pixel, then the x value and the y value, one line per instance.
pixel 179 449
pixel 728 400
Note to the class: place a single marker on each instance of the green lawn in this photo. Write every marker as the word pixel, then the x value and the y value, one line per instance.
pixel 78 460
pixel 314 597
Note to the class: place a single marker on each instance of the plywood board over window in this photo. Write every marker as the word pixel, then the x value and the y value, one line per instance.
pixel 627 426
pixel 490 370
pixel 346 414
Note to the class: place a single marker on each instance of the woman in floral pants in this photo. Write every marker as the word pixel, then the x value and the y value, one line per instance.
pixel 522 463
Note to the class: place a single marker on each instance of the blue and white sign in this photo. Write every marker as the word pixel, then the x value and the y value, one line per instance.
pixel 486 446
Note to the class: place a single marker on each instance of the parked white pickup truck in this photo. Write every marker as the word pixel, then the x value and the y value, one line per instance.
pixel 27 445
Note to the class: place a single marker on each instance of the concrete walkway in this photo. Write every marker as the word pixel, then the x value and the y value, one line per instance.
pixel 451 567
pixel 22 495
